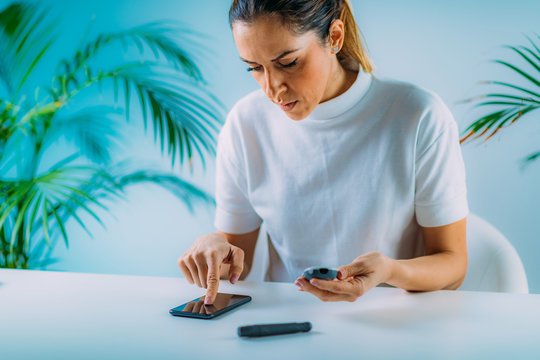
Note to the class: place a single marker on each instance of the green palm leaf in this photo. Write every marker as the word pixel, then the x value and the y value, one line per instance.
pixel 530 158
pixel 6 82
pixel 185 117
pixel 27 33
pixel 180 114
pixel 94 130
pixel 160 38
pixel 509 107
pixel 183 190
pixel 42 206
pixel 36 202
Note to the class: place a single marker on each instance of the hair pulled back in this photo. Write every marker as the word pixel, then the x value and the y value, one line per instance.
pixel 302 16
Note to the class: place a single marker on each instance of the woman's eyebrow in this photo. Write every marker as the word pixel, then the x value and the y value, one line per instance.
pixel 285 53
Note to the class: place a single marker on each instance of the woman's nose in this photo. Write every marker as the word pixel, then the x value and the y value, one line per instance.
pixel 274 87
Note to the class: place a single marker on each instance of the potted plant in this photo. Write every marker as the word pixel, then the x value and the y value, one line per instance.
pixel 38 196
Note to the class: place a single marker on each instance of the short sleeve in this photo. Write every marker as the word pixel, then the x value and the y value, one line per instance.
pixel 440 184
pixel 234 212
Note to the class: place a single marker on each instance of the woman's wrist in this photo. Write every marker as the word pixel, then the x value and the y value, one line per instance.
pixel 391 268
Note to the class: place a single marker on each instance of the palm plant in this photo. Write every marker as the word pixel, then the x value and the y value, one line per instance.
pixel 36 199
pixel 512 101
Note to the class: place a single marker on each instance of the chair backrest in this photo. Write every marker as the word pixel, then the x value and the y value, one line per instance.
pixel 494 264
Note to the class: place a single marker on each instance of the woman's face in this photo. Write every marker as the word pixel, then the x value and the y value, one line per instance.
pixel 293 70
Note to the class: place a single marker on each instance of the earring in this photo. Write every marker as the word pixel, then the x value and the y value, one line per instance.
pixel 335 49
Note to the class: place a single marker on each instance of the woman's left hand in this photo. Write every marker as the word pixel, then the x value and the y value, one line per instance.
pixel 355 279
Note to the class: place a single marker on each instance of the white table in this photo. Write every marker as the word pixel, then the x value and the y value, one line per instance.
pixel 54 315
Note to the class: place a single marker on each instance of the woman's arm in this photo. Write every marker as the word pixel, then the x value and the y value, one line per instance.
pixel 444 265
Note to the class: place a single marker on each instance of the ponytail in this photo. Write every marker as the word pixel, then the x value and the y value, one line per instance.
pixel 353 48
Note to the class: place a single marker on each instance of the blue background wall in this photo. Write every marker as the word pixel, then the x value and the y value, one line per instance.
pixel 444 46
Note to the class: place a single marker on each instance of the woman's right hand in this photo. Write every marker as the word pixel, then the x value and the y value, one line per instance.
pixel 201 263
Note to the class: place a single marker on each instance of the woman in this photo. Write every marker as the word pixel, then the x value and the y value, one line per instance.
pixel 346 169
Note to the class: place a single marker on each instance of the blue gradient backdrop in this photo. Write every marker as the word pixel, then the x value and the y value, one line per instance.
pixel 444 46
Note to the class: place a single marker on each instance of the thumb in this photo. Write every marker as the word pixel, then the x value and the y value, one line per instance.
pixel 349 270
pixel 236 260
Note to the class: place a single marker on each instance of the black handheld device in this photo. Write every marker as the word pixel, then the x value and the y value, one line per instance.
pixel 197 309
pixel 320 273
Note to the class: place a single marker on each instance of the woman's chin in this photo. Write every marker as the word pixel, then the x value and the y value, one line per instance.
pixel 297 115
pixel 296 118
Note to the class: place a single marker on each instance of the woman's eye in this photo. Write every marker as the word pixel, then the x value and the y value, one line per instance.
pixel 291 64
pixel 254 68
pixel 259 67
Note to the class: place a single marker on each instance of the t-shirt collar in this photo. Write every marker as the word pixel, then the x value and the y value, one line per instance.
pixel 342 103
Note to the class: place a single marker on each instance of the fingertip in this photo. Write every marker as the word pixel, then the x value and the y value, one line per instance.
pixel 210 296
pixel 234 278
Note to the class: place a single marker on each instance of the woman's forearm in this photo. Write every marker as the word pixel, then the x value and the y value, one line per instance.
pixel 443 270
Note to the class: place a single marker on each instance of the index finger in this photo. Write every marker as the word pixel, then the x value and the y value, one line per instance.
pixel 212 280
pixel 338 287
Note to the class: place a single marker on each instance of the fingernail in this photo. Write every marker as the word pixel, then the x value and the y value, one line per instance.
pixel 314 282
pixel 207 300
pixel 340 275
pixel 234 279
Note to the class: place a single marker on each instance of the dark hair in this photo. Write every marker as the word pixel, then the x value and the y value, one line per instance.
pixel 308 15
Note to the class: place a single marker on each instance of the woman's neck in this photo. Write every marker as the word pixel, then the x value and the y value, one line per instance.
pixel 339 82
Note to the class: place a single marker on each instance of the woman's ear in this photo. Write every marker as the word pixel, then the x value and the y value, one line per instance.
pixel 336 36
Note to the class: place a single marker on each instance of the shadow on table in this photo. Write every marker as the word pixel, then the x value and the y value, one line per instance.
pixel 396 316
pixel 274 338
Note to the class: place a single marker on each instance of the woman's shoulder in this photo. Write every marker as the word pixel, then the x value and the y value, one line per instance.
pixel 411 94
pixel 422 106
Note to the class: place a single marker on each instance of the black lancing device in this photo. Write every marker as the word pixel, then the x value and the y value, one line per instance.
pixel 273 329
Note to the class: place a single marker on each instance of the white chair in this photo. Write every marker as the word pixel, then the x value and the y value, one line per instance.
pixel 494 264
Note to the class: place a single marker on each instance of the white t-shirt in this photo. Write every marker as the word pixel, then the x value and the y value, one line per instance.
pixel 359 174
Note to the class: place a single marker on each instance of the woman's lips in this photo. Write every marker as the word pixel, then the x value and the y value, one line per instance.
pixel 288 106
